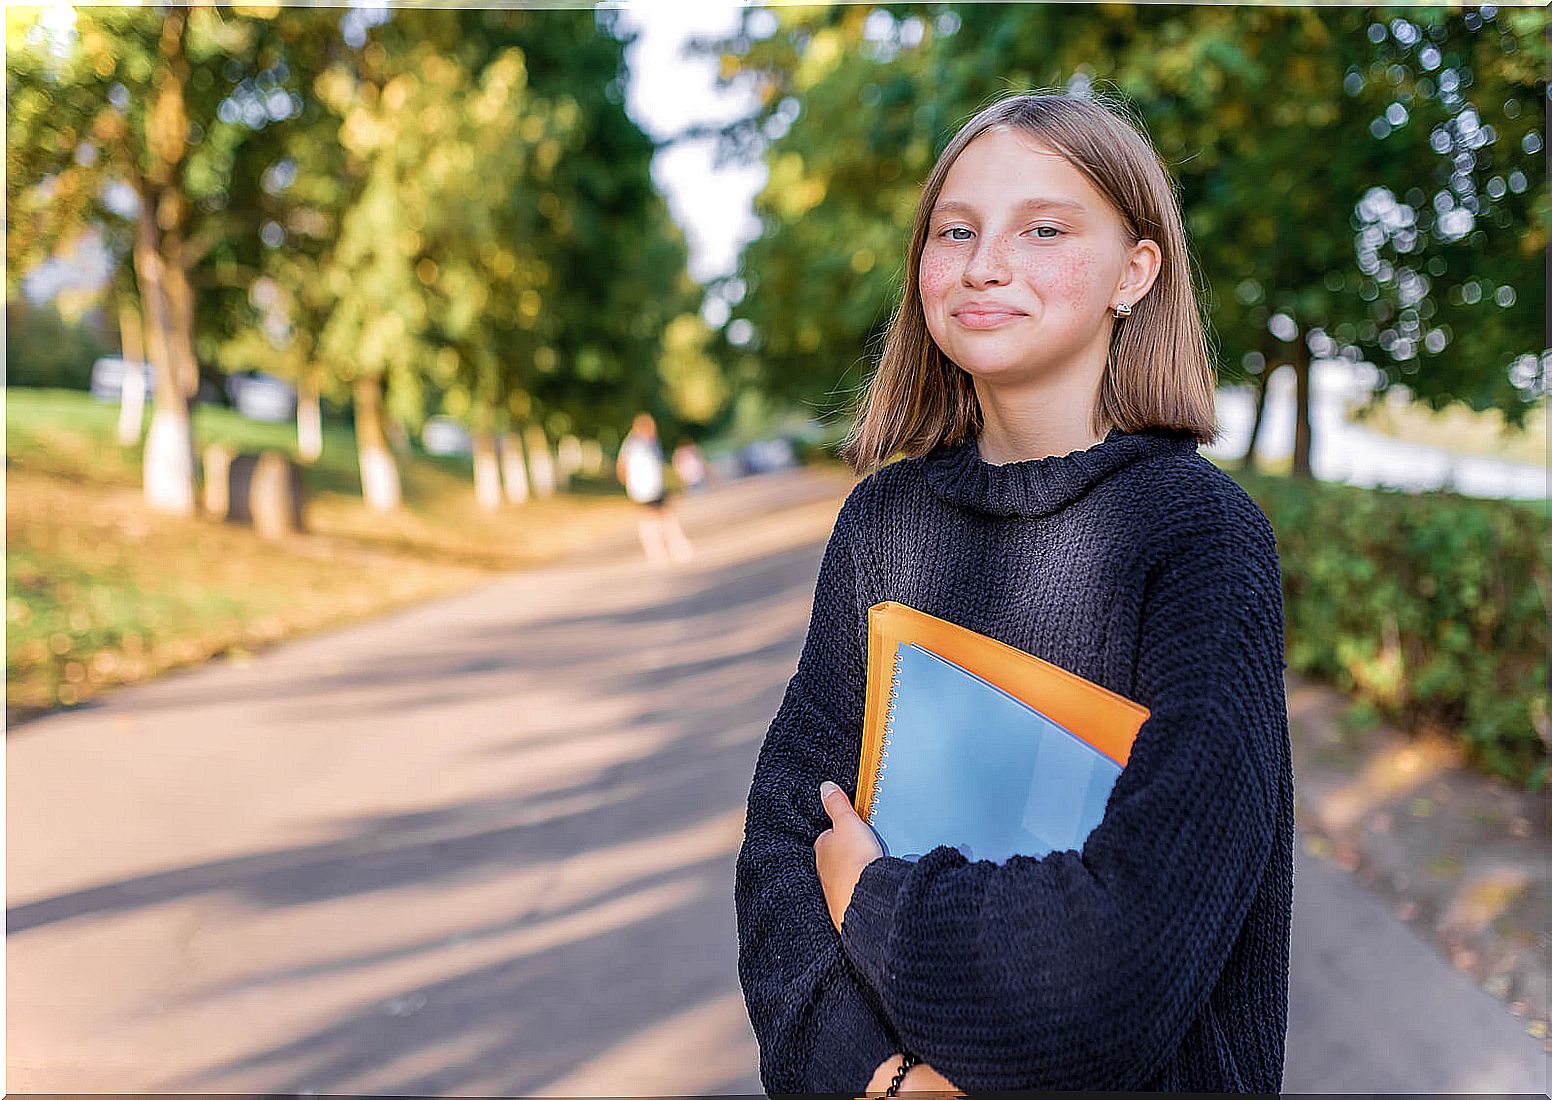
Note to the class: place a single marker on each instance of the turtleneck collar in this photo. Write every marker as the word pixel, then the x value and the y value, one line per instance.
pixel 1039 486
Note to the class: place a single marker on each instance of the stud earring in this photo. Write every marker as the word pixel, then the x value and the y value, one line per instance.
pixel 1121 309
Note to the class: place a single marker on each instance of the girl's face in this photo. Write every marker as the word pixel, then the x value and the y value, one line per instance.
pixel 1022 262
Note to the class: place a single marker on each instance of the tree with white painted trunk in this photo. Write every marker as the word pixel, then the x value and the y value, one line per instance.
pixel 309 422
pixel 541 463
pixel 379 473
pixel 514 468
pixel 132 393
pixel 115 117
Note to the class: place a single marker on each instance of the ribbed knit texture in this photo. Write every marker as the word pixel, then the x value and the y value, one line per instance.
pixel 1157 958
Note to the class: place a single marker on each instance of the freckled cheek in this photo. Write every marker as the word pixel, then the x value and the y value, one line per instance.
pixel 1070 278
pixel 936 275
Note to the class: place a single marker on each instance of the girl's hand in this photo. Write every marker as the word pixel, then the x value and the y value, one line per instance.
pixel 842 851
pixel 923 1078
pixel 919 1078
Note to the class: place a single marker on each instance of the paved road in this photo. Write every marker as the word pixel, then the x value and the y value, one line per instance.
pixel 486 846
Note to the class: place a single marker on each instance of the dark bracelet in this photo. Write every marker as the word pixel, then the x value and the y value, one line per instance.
pixel 905 1064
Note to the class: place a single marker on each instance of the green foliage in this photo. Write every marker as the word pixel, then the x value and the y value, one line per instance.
pixel 500 252
pixel 44 349
pixel 1428 608
pixel 1452 282
pixel 456 204
pixel 116 97
pixel 1293 133
pixel 849 144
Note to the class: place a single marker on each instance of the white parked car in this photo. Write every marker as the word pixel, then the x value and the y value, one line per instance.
pixel 108 377
pixel 766 455
pixel 443 435
pixel 260 396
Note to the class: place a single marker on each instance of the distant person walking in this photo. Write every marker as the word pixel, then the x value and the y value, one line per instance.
pixel 640 468
pixel 690 465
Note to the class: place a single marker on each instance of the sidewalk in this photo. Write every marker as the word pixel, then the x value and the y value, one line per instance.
pixel 1460 857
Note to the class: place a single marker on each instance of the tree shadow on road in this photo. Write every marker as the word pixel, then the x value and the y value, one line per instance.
pixel 643 935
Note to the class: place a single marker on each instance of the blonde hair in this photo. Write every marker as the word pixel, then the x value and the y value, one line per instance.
pixel 1159 374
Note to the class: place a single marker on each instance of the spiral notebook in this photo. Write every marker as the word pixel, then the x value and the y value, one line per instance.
pixel 972 743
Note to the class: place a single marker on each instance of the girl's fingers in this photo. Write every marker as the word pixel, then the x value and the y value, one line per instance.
pixel 837 808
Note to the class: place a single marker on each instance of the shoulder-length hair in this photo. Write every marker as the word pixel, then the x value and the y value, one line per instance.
pixel 1159 375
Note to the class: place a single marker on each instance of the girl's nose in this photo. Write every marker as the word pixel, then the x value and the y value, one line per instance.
pixel 988 264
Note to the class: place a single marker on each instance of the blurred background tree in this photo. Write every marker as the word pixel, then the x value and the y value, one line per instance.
pixel 1451 246
pixel 416 212
pixel 126 115
pixel 1297 254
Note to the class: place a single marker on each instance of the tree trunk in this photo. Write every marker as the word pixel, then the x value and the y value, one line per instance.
pixel 132 396
pixel 568 456
pixel 168 466
pixel 1271 352
pixel 180 314
pixel 309 423
pixel 398 438
pixel 514 468
pixel 541 465
pixel 165 211
pixel 1302 443
pixel 168 463
pixel 161 271
pixel 1247 461
pixel 487 471
pixel 379 474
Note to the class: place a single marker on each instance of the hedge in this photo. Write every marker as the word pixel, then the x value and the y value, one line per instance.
pixel 1430 609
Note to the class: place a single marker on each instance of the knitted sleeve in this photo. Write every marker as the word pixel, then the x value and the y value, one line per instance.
pixel 819 1027
pixel 1084 971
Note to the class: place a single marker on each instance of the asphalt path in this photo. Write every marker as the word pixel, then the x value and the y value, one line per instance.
pixel 486 846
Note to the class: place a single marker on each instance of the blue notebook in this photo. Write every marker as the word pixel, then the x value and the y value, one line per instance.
pixel 967 765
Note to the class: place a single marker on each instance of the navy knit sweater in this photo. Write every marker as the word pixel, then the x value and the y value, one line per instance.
pixel 1155 959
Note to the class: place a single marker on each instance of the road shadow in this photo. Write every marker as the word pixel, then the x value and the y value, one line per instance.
pixel 702 671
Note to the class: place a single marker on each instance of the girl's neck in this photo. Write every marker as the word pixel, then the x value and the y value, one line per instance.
pixel 1051 416
pixel 1006 438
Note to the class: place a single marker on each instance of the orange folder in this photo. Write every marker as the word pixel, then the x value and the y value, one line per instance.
pixel 1107 721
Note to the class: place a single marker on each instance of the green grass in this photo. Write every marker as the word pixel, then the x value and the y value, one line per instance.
pixel 67 434
pixel 100 591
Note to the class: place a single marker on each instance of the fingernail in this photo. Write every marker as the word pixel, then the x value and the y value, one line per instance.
pixel 825 788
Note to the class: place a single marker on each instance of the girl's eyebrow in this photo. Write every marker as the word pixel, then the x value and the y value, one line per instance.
pixel 952 207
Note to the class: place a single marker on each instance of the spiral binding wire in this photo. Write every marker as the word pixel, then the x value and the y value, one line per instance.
pixel 889 723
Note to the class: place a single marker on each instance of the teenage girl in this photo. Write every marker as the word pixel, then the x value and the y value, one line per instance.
pixel 1044 386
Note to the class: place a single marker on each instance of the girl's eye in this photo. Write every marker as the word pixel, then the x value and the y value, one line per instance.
pixel 1050 229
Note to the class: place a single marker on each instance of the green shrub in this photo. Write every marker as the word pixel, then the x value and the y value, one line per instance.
pixel 1429 609
pixel 44 349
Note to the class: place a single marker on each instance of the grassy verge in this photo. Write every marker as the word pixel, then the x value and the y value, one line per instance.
pixel 100 592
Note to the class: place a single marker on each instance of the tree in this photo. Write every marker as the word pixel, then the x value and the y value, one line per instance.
pixel 1272 227
pixel 619 261
pixel 846 128
pixel 1451 245
pixel 127 114
pixel 496 212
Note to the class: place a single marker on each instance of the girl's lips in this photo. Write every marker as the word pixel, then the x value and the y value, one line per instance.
pixel 984 319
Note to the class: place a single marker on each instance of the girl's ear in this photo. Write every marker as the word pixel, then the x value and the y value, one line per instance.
pixel 1141 272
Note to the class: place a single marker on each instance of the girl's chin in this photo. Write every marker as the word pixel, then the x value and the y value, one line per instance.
pixel 993 368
